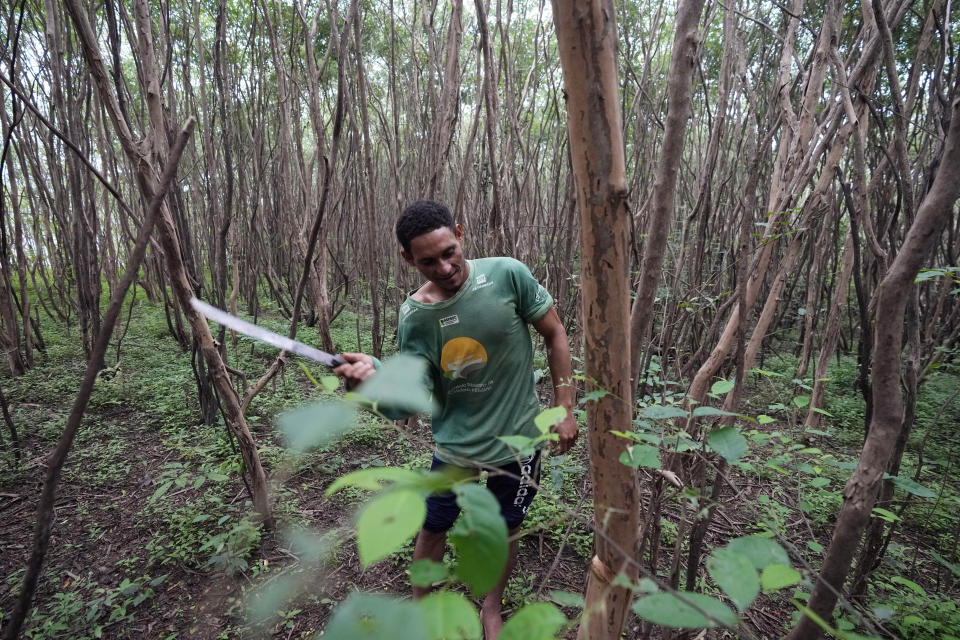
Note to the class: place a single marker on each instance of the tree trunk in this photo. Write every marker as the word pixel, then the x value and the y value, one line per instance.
pixel 891 298
pixel 587 37
pixel 682 64
pixel 146 176
pixel 445 119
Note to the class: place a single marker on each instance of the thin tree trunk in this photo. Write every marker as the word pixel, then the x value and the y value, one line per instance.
pixel 182 286
pixel 58 457
pixel 445 120
pixel 831 332
pixel 861 490
pixel 682 64
pixel 495 222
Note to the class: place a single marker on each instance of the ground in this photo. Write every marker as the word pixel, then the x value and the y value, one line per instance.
pixel 155 535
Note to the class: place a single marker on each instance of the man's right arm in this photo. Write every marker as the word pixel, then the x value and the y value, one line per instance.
pixel 361 367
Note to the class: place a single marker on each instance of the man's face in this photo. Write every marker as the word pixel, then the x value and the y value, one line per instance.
pixel 438 256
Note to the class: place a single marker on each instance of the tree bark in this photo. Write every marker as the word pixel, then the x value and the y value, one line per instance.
pixel 145 174
pixel 587 37
pixel 446 117
pixel 58 457
pixel 682 64
pixel 860 491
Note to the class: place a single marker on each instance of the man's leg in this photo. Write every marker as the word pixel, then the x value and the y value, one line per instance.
pixel 430 544
pixel 515 488
pixel 442 512
pixel 490 611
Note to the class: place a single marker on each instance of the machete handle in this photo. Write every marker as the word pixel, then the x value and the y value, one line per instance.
pixel 336 362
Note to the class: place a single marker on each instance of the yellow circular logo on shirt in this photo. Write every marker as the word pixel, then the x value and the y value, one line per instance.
pixel 461 357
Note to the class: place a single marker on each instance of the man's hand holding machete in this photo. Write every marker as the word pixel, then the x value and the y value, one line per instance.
pixel 358 369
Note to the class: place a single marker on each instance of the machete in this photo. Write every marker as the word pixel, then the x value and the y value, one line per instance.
pixel 263 335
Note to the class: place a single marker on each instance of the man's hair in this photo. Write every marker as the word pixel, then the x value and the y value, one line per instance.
pixel 420 217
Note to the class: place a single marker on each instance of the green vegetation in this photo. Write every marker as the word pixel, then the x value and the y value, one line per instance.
pixel 146 474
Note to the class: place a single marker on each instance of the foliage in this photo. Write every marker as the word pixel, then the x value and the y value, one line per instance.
pixel 89 610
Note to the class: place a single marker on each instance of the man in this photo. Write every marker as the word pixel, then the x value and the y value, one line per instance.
pixel 469 321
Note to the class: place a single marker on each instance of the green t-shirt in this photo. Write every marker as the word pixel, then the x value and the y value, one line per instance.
pixel 480 358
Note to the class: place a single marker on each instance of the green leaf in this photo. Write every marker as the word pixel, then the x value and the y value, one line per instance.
pixel 839 464
pixel 778 576
pixel 721 386
pixel 814 546
pixel 645 585
pixel 595 395
pixel 929 274
pixel 263 606
pixel 448 616
pixel 162 489
pixel 911 486
pixel 310 547
pixel 316 425
pixel 669 610
pixel 884 514
pixel 480 538
pixel 537 621
pixel 801 401
pixel 735 574
pixel 368 616
pixel 701 412
pixel 662 412
pixel 819 482
pixel 567 599
pixel 387 522
pixel 765 419
pixel 399 384
pixel 728 442
pixel 761 551
pixel 910 584
pixel 523 445
pixel 330 383
pixel 373 479
pixel 954 568
pixel 641 455
pixel 882 612
pixel 424 572
pixel 548 418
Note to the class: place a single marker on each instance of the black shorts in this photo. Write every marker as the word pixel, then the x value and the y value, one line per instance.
pixel 512 489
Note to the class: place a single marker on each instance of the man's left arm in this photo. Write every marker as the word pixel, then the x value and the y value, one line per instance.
pixel 558 358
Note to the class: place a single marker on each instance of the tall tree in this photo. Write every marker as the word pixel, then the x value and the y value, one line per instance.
pixel 587 37
pixel 891 299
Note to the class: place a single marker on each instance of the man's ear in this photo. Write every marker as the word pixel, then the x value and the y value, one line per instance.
pixel 407 257
pixel 459 233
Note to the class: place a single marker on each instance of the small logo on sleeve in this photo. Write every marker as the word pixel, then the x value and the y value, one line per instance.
pixel 449 320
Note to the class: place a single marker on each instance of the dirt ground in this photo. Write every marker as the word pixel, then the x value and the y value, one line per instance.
pixel 102 534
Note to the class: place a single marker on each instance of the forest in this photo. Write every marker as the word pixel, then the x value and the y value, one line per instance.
pixel 745 214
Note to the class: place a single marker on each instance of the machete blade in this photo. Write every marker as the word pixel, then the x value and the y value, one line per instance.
pixel 263 335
